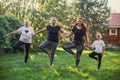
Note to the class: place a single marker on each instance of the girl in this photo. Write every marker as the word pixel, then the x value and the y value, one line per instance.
pixel 52 39
pixel 27 33
pixel 80 36
pixel 99 46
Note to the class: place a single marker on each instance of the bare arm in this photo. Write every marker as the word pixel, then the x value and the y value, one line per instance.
pixel 67 35
pixel 41 30
pixel 103 50
pixel 62 31
pixel 86 38
pixel 14 32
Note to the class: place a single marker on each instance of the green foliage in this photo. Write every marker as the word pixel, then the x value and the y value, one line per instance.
pixel 8 24
pixel 37 68
pixel 95 13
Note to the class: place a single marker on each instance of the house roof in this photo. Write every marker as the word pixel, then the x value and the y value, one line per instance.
pixel 115 20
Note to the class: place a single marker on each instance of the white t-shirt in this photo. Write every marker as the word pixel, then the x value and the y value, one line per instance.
pixel 26 34
pixel 98 45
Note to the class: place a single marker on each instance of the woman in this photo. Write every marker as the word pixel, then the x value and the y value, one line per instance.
pixel 27 33
pixel 52 39
pixel 80 36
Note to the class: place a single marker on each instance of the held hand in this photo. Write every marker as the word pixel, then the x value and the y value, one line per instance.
pixel 34 35
pixel 88 45
pixel 62 36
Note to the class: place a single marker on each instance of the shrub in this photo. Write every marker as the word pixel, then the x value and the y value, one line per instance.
pixel 8 24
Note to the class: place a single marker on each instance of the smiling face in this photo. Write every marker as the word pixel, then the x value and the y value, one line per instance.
pixel 79 21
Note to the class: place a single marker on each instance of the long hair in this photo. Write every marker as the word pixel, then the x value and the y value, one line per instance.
pixel 82 25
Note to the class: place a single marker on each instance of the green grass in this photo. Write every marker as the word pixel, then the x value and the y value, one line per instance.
pixel 37 68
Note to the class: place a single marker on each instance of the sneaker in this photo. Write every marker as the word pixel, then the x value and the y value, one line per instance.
pixel 98 70
pixel 51 66
pixel 76 68
pixel 25 63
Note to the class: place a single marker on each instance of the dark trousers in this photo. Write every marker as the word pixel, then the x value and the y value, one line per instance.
pixel 68 46
pixel 18 46
pixel 93 55
pixel 52 45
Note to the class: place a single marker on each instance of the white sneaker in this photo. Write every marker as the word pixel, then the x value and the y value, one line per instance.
pixel 51 66
pixel 76 68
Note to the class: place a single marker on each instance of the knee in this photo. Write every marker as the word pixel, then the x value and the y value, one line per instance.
pixel 41 47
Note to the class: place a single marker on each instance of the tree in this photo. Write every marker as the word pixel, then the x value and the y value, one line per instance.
pixel 95 13
pixel 39 13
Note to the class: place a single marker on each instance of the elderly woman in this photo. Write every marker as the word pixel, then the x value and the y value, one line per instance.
pixel 27 33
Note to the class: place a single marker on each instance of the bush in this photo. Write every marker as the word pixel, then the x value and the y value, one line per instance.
pixel 8 24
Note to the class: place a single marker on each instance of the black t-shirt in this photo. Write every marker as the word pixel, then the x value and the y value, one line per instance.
pixel 78 34
pixel 53 33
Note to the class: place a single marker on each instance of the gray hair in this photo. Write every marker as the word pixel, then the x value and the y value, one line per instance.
pixel 26 21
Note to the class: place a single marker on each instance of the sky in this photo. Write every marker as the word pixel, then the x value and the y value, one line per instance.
pixel 114 5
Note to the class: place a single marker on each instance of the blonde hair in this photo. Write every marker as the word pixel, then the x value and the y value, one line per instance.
pixel 98 34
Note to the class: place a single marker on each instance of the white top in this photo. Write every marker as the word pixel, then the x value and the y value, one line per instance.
pixel 98 45
pixel 26 34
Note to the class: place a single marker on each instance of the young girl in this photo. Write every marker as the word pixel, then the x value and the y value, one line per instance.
pixel 99 46
pixel 80 36
pixel 27 33
pixel 52 39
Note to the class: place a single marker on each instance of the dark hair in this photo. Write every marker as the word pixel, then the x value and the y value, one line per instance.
pixel 82 25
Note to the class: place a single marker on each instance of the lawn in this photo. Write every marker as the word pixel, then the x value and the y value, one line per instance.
pixel 37 68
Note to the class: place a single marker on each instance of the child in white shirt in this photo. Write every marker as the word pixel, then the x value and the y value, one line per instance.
pixel 99 46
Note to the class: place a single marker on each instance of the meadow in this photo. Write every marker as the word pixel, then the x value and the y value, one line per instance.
pixel 37 68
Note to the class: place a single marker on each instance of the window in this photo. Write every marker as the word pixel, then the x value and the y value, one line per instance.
pixel 113 32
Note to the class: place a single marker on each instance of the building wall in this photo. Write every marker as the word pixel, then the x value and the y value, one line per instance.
pixel 113 39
